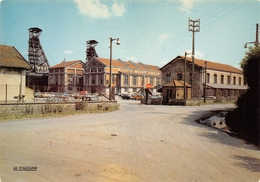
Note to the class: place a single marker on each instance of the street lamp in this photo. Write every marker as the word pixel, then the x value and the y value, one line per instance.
pixel 249 43
pixel 110 71
pixel 256 42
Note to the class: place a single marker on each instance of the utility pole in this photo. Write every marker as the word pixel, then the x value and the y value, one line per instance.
pixel 256 37
pixel 185 90
pixel 205 84
pixel 194 26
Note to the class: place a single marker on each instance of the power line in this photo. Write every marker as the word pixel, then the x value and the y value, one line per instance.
pixel 221 8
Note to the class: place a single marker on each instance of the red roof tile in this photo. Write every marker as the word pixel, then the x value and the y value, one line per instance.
pixel 65 64
pixel 128 64
pixel 214 65
pixel 210 65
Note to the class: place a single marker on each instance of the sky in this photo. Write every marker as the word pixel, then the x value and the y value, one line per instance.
pixel 150 31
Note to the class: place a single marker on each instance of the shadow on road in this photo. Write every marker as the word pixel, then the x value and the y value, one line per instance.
pixel 214 134
pixel 249 163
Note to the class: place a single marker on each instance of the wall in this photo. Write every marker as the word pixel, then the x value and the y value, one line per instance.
pixel 21 109
pixel 14 78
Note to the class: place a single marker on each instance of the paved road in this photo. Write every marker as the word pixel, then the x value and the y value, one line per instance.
pixel 137 143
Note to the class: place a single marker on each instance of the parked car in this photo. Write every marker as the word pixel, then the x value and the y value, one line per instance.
pixel 126 96
pixel 89 98
pixel 137 97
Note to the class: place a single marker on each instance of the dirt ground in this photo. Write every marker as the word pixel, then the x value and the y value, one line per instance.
pixel 136 143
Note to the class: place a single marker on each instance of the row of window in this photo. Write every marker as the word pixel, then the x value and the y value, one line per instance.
pixel 215 78
pixel 72 80
pixel 135 80
pixel 222 79
pixel 126 80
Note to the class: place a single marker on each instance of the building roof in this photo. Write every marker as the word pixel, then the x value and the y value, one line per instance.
pixel 65 64
pixel 224 86
pixel 210 65
pixel 10 57
pixel 176 83
pixel 128 64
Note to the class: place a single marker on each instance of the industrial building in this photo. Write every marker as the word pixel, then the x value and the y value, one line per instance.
pixel 211 79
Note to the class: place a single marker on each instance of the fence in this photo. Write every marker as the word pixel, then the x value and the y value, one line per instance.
pixel 21 93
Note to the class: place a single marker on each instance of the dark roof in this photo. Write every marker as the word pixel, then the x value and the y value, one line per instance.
pixel 10 57
pixel 35 29
pixel 210 65
pixel 176 83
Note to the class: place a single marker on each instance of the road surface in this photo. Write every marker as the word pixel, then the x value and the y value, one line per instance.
pixel 138 143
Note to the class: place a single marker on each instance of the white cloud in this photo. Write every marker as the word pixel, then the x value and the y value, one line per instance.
pixel 162 37
pixel 96 9
pixel 118 9
pixel 132 58
pixel 186 5
pixel 67 52
pixel 198 54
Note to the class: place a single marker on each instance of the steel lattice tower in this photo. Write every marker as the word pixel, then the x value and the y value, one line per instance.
pixel 91 52
pixel 36 56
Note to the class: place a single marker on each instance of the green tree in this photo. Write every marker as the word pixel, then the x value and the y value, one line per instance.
pixel 245 119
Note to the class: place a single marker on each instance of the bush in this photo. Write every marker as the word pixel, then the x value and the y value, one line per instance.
pixel 245 119
pixel 81 106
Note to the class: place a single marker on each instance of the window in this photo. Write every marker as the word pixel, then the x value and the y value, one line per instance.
pixel 126 79
pixel 222 79
pixel 151 81
pixel 240 81
pixel 168 77
pixel 79 80
pixel 134 80
pixel 142 80
pixel 56 79
pixel 179 76
pixel 234 80
pixel 207 78
pixel 70 80
pixel 190 77
pixel 157 81
pixel 228 80
pixel 93 81
pixel 215 78
pixel 87 79
pixel 126 89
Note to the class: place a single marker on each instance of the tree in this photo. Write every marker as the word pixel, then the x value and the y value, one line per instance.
pixel 245 119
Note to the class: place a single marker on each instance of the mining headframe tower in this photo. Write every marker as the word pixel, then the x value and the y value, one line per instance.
pixel 37 77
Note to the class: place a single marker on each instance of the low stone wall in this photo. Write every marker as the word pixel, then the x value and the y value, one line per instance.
pixel 194 102
pixel 22 109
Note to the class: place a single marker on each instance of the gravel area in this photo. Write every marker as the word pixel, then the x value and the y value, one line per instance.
pixel 145 143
